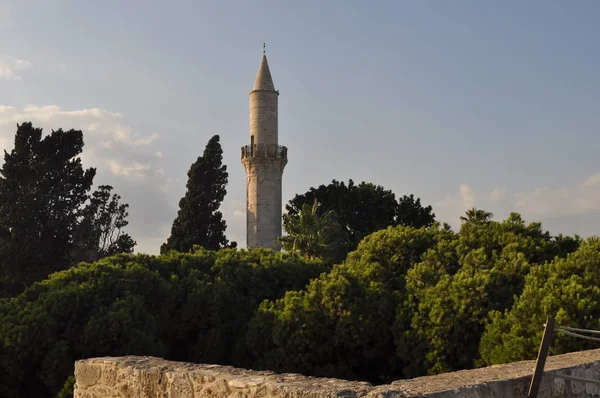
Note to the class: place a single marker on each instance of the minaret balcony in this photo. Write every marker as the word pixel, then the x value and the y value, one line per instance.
pixel 264 151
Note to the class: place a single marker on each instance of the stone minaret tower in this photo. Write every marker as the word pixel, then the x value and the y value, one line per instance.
pixel 264 160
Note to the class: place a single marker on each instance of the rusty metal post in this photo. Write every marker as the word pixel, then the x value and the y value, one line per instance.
pixel 538 373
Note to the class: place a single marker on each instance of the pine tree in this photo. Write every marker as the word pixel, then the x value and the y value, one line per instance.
pixel 199 221
pixel 43 186
pixel 100 231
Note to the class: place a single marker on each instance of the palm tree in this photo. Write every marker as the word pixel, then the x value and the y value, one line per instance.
pixel 310 233
pixel 477 216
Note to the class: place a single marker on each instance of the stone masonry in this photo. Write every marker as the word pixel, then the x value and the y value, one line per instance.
pixel 130 376
pixel 264 160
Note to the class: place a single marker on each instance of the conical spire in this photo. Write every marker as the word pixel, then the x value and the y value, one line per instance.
pixel 263 77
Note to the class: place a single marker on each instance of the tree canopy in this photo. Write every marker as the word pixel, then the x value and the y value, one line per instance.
pixel 313 234
pixel 199 221
pixel 182 306
pixel 567 289
pixel 360 210
pixel 344 323
pixel 43 186
pixel 100 230
pixel 373 287
pixel 475 215
pixel 407 302
pixel 461 280
pixel 47 216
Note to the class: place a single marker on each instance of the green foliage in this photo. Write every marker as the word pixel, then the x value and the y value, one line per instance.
pixel 199 221
pixel 567 289
pixel 42 188
pixel 459 282
pixel 100 231
pixel 341 325
pixel 67 389
pixel 477 216
pixel 312 234
pixel 189 307
pixel 406 303
pixel 44 225
pixel 361 210
pixel 90 310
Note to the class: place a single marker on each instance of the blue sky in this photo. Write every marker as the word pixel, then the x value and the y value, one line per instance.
pixel 469 103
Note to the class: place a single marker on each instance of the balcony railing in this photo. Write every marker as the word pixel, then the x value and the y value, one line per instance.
pixel 264 151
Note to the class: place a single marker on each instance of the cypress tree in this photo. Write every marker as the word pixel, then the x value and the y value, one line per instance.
pixel 199 221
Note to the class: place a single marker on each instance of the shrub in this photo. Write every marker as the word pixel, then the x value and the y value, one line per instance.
pixel 188 307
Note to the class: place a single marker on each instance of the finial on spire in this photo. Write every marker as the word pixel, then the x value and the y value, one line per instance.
pixel 264 48
pixel 263 76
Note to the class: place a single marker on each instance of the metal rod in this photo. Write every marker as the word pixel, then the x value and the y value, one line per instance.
pixel 581 336
pixel 536 380
pixel 578 330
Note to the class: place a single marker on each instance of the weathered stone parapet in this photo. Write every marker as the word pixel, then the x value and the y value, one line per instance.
pixel 131 376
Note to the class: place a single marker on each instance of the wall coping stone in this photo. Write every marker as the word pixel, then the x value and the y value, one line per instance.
pixel 143 376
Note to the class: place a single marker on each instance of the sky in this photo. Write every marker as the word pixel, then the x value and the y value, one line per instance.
pixel 466 103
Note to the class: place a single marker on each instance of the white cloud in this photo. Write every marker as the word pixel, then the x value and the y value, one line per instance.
pixel 83 118
pixel 467 196
pixel 581 198
pixel 22 64
pixel 124 158
pixel 104 135
pixel 10 66
pixel 455 204
pixel 234 211
pixel 136 170
pixel 497 194
pixel 91 127
pixel 591 181
pixel 536 204
pixel 238 213
pixel 126 136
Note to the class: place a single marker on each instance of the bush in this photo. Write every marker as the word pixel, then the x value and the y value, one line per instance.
pixel 567 289
pixel 342 324
pixel 188 307
pixel 407 302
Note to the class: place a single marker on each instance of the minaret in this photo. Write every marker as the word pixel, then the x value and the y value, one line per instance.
pixel 264 160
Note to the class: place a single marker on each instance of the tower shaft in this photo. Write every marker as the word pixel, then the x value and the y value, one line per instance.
pixel 264 161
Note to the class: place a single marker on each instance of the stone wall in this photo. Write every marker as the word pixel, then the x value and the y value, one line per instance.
pixel 131 376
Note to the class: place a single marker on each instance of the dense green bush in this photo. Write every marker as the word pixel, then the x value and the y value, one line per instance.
pixel 342 325
pixel 189 307
pixel 407 302
pixel 459 282
pixel 567 289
